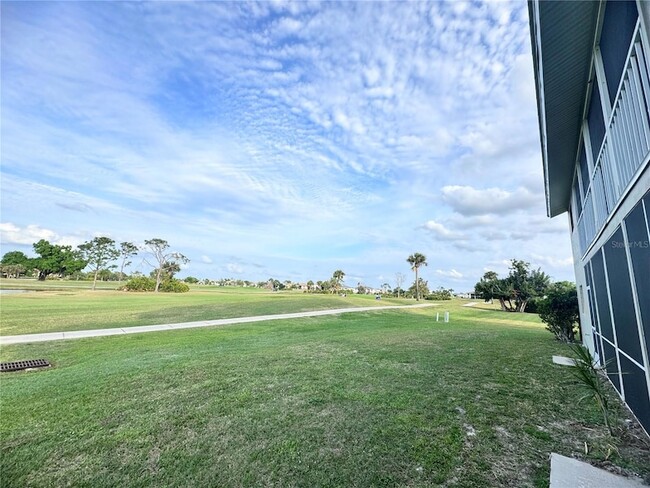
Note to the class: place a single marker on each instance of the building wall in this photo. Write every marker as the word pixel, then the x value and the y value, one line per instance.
pixel 610 205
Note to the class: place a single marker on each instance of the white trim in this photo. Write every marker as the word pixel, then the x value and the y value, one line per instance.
pixel 630 51
pixel 635 300
pixel 586 141
pixel 639 176
pixel 637 311
pixel 599 330
pixel 643 9
pixel 537 52
pixel 623 353
pixel 625 142
pixel 644 348
pixel 601 80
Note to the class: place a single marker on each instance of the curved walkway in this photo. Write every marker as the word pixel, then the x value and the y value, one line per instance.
pixel 80 334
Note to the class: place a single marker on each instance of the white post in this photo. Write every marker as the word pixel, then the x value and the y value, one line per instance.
pixel 437 316
pixel 446 316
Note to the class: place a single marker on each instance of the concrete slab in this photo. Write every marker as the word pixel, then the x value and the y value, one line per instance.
pixel 145 328
pixel 26 338
pixel 78 334
pixel 564 361
pixel 570 473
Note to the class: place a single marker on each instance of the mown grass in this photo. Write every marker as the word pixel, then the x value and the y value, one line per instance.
pixel 369 399
pixel 74 309
pixel 55 284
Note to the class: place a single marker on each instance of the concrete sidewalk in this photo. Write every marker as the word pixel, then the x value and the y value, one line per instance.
pixel 80 334
pixel 571 473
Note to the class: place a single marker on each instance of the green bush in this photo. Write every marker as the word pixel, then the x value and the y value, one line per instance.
pixel 143 283
pixel 533 305
pixel 140 283
pixel 173 286
pixel 559 310
pixel 439 294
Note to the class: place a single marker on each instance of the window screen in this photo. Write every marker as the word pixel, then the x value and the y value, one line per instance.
pixel 596 122
pixel 639 241
pixel 618 27
pixel 646 202
pixel 602 301
pixel 590 302
pixel 620 292
pixel 636 390
pixel 584 170
pixel 611 364
pixel 578 199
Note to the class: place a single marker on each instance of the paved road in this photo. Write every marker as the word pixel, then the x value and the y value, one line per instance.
pixel 80 334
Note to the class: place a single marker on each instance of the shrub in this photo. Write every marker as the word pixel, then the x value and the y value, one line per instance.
pixel 533 305
pixel 140 283
pixel 586 375
pixel 439 294
pixel 173 285
pixel 423 287
pixel 559 310
pixel 144 283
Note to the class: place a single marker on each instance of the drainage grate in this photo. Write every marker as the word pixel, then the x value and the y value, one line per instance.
pixel 18 365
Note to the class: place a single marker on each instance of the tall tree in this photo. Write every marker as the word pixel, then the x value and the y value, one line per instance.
pixel 517 289
pixel 399 280
pixel 337 279
pixel 159 251
pixel 416 261
pixel 310 286
pixel 15 263
pixel 127 250
pixel 98 253
pixel 15 257
pixel 55 259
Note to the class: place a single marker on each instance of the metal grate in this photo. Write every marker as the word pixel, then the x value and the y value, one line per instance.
pixel 19 365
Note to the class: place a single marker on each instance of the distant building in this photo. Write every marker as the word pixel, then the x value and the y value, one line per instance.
pixel 592 63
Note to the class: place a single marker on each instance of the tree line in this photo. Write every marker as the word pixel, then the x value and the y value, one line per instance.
pixel 99 255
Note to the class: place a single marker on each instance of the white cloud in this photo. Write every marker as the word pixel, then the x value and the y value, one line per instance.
pixel 12 234
pixel 552 261
pixel 441 232
pixel 468 200
pixel 452 273
pixel 28 235
pixel 234 268
pixel 206 259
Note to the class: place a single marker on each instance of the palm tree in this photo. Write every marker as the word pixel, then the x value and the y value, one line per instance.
pixel 337 276
pixel 416 260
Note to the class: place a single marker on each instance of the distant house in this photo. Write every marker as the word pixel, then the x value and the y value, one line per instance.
pixel 592 76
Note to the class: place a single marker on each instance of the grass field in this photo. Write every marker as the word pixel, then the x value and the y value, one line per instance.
pixel 55 310
pixel 64 284
pixel 387 398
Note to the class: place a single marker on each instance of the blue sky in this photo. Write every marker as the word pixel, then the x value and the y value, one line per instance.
pixel 279 139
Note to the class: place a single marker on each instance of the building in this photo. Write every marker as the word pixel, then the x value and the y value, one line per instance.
pixel 592 76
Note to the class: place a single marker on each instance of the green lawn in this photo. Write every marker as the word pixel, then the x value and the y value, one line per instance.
pixel 55 284
pixel 54 310
pixel 371 399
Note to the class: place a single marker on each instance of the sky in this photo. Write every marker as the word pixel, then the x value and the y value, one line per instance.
pixel 279 139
